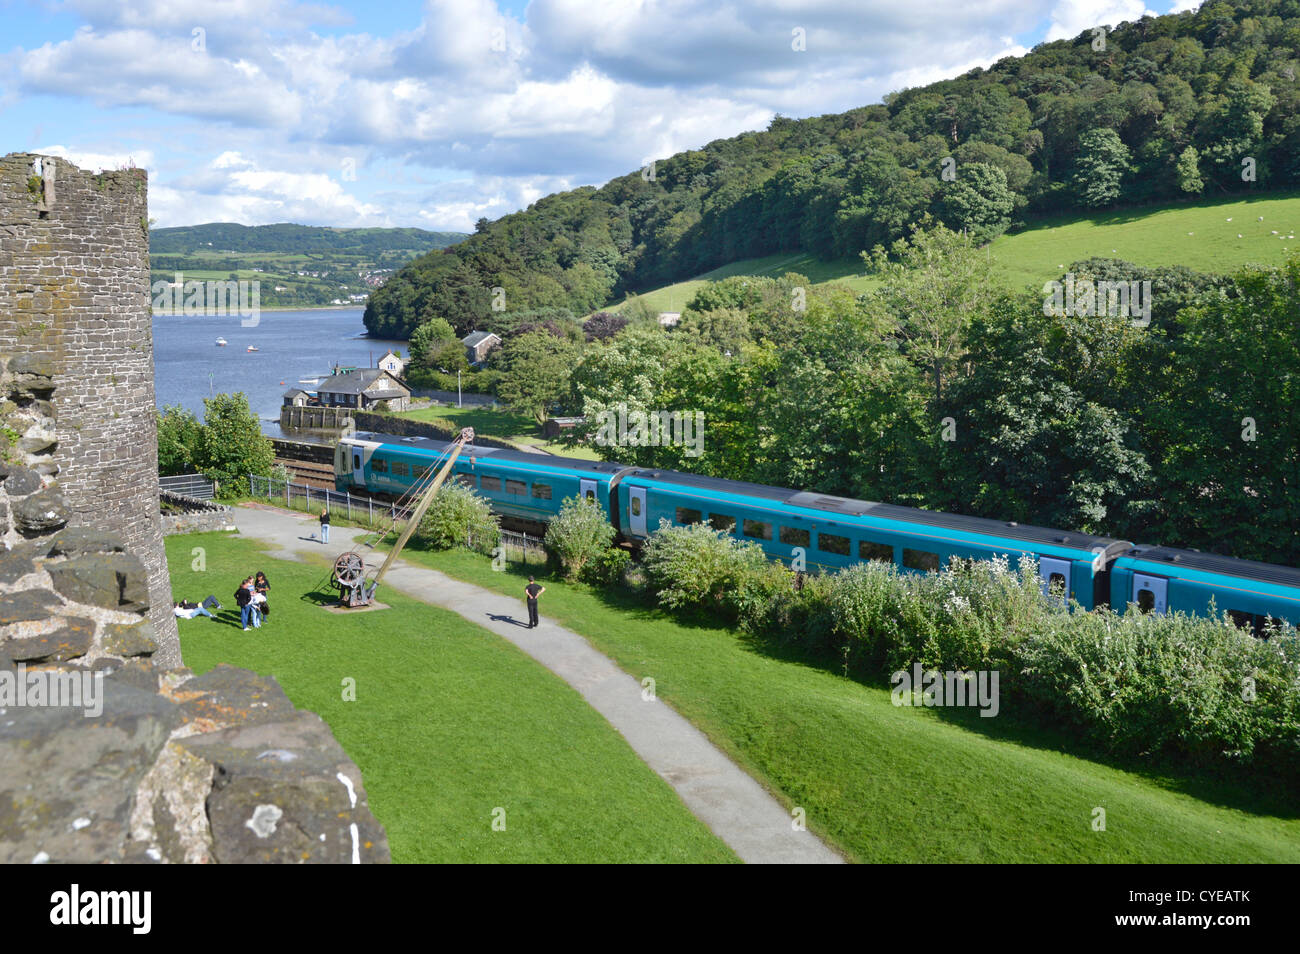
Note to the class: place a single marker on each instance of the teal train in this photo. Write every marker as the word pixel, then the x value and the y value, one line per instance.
pixel 825 532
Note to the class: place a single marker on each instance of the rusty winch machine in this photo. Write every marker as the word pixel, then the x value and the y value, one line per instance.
pixel 349 573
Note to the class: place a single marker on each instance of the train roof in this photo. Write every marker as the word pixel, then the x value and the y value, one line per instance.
pixel 1175 558
pixel 848 506
pixel 479 452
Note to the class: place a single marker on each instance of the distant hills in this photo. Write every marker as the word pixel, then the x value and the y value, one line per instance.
pixel 1200 105
pixel 297 265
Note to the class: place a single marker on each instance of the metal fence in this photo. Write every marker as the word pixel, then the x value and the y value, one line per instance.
pixel 367 510
pixel 374 514
pixel 189 485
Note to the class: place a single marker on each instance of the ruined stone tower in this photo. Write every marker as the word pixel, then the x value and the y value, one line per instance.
pixel 74 300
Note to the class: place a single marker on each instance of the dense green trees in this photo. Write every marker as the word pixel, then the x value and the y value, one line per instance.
pixel 1209 96
pixel 227 446
pixel 940 390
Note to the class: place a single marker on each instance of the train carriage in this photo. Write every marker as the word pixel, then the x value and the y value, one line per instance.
pixel 1167 580
pixel 528 487
pixel 836 532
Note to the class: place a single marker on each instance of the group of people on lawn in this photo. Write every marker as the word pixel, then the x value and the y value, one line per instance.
pixel 250 598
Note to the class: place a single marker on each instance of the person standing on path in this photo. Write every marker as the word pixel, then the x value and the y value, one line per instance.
pixel 325 525
pixel 532 591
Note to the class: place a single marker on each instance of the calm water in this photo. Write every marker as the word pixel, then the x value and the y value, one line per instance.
pixel 188 365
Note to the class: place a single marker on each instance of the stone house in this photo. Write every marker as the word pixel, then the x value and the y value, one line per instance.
pixel 478 344
pixel 364 388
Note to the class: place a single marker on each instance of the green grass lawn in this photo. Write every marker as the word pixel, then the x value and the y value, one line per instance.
pixel 896 784
pixel 499 422
pixel 450 722
pixel 1157 235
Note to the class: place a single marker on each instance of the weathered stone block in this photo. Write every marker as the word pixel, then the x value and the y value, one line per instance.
pixel 14 566
pixel 123 640
pixel 42 512
pixel 67 642
pixel 77 541
pixel 279 796
pixel 26 605
pixel 69 781
pixel 112 580
pixel 19 481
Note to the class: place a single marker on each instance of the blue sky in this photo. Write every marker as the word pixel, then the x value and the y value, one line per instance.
pixel 435 114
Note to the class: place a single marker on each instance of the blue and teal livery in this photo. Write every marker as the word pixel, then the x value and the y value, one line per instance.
pixel 827 532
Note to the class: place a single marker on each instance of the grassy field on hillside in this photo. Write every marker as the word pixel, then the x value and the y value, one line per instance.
pixel 498 422
pixel 1202 235
pixel 450 722
pixel 893 784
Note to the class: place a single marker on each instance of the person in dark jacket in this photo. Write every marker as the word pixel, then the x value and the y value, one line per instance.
pixel 247 611
pixel 325 525
pixel 532 591
pixel 261 587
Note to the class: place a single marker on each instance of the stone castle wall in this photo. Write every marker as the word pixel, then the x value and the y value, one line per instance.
pixel 109 751
pixel 74 304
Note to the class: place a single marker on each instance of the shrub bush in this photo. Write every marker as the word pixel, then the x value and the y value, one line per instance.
pixel 459 517
pixel 609 568
pixel 578 536
pixel 699 567
pixel 1191 686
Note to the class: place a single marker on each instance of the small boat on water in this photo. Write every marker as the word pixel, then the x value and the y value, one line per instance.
pixel 251 348
pixel 222 342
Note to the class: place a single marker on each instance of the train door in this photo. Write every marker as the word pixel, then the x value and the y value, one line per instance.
pixel 587 490
pixel 636 510
pixel 1055 577
pixel 1150 593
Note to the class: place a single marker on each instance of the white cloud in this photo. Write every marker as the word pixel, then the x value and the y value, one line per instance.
pixel 1072 17
pixel 574 93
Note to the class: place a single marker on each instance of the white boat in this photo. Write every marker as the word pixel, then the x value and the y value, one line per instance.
pixel 222 342
pixel 251 348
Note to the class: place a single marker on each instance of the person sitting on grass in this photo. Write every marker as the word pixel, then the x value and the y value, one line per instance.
pixel 187 610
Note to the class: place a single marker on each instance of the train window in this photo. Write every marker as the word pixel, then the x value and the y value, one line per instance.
pixel 830 543
pixel 1255 622
pixel 882 552
pixel 686 516
pixel 542 491
pixel 920 559
pixel 1056 583
pixel 795 537
pixel 465 480
pixel 516 487
pixel 591 496
pixel 492 484
pixel 399 468
pixel 378 465
pixel 720 521
pixel 636 506
pixel 420 472
pixel 758 529
pixel 1146 601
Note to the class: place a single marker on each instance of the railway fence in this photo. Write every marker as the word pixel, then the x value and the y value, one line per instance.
pixel 189 485
pixel 374 514
pixel 295 496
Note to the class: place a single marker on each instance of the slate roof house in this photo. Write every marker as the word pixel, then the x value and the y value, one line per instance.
pixel 297 397
pixel 363 388
pixel 392 364
pixel 478 344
